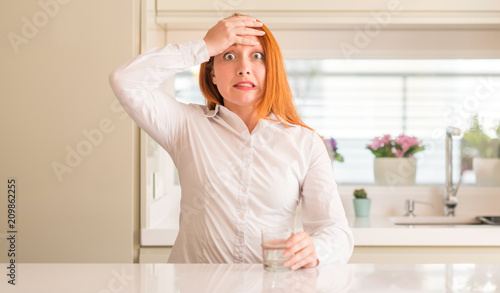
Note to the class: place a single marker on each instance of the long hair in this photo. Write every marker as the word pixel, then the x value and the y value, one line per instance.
pixel 277 98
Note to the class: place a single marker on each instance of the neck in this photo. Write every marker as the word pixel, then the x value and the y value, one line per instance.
pixel 249 117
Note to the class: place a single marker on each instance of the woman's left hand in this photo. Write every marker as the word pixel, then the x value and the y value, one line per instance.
pixel 302 245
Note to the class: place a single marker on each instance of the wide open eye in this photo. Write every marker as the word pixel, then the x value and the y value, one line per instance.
pixel 229 56
pixel 258 56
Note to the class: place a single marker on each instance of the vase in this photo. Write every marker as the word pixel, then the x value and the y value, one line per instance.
pixel 395 171
pixel 362 207
pixel 487 171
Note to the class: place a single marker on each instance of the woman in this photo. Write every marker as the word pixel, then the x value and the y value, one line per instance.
pixel 246 159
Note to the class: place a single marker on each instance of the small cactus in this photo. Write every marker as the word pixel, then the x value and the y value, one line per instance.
pixel 360 193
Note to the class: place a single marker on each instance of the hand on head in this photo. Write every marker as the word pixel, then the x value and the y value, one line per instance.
pixel 231 31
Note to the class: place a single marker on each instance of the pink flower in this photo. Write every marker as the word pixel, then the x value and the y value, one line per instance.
pixel 379 142
pixel 402 146
pixel 386 139
pixel 375 144
pixel 409 141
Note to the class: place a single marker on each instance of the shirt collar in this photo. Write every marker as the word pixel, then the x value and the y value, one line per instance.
pixel 212 113
pixel 272 118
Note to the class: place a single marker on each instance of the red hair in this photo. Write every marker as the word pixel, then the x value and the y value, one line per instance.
pixel 277 98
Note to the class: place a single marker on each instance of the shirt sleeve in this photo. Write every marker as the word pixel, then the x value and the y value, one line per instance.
pixel 136 85
pixel 323 215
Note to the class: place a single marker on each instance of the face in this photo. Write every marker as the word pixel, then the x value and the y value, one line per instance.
pixel 239 73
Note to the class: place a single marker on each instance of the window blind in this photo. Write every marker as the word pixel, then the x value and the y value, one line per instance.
pixel 357 100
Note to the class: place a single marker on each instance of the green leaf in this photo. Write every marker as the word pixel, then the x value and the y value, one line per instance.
pixel 339 158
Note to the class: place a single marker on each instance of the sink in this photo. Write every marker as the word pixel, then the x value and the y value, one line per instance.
pixel 437 220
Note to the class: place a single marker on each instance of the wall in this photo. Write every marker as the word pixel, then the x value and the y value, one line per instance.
pixel 389 201
pixel 64 138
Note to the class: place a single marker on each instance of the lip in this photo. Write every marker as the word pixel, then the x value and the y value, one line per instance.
pixel 245 85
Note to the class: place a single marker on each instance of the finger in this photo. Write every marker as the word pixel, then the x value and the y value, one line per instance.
pixel 298 246
pixel 307 253
pixel 300 254
pixel 245 41
pixel 249 32
pixel 295 238
pixel 247 21
pixel 305 262
pixel 312 264
pixel 290 243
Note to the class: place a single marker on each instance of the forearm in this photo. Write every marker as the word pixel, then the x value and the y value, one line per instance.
pixel 143 74
pixel 323 214
pixel 136 85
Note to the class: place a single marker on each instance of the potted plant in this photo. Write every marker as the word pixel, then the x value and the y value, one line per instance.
pixel 361 203
pixel 483 151
pixel 331 147
pixel 395 163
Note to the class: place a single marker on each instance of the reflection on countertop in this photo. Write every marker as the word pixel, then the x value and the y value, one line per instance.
pixel 188 278
pixel 253 278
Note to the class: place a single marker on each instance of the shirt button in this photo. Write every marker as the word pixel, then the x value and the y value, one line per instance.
pixel 244 189
pixel 242 215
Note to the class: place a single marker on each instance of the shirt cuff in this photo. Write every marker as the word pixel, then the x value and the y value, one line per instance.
pixel 194 52
pixel 322 251
pixel 331 253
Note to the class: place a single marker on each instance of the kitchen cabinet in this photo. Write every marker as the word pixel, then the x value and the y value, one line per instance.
pixel 377 240
pixel 425 254
pixel 317 13
pixel 319 5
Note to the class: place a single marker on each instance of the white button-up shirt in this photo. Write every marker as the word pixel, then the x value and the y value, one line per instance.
pixel 233 183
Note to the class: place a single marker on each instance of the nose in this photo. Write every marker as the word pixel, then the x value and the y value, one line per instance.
pixel 243 68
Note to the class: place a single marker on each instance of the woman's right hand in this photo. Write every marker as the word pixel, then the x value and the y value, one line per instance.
pixel 231 31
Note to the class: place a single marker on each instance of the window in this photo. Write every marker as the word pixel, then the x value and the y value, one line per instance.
pixel 356 100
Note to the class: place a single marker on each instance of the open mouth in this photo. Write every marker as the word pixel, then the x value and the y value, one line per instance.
pixel 244 85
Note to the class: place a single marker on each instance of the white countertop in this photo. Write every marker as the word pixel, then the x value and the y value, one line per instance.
pixel 221 278
pixel 380 231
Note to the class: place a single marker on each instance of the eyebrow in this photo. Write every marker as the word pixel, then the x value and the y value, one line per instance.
pixel 236 45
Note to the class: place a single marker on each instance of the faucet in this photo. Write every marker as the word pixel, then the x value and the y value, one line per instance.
pixel 410 207
pixel 450 191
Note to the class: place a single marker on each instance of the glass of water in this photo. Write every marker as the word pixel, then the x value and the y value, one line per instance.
pixel 273 247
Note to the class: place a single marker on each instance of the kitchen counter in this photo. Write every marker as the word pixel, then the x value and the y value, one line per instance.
pixel 220 278
pixel 378 240
pixel 380 231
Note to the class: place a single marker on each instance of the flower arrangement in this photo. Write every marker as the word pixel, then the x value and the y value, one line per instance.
pixel 331 147
pixel 401 147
